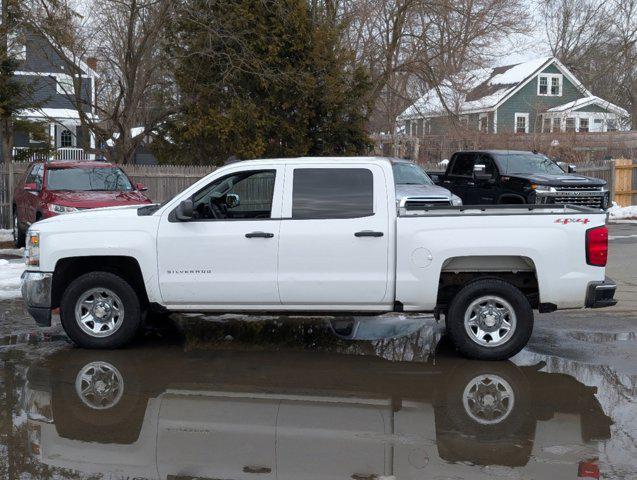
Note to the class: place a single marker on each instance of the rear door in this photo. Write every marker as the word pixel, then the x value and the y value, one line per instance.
pixel 334 240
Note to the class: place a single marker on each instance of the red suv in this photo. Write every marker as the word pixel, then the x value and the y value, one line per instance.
pixel 53 188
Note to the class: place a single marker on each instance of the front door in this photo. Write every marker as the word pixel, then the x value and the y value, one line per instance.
pixel 227 254
pixel 334 245
pixel 460 176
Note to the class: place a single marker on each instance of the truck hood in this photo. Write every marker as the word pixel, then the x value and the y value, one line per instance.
pixel 559 180
pixel 95 199
pixel 421 191
pixel 98 214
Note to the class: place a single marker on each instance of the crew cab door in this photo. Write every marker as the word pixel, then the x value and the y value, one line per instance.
pixel 335 236
pixel 483 191
pixel 459 175
pixel 227 253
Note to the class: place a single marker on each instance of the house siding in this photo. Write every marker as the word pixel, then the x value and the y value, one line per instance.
pixel 41 57
pixel 593 109
pixel 45 95
pixel 526 100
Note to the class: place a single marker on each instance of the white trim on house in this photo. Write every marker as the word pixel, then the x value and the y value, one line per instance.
pixel 587 101
pixel 517 115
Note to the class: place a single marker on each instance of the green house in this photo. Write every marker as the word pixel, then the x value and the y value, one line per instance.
pixel 540 95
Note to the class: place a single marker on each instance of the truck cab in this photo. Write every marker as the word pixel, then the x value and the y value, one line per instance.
pixel 519 177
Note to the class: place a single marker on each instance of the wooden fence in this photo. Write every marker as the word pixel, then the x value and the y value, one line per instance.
pixel 165 181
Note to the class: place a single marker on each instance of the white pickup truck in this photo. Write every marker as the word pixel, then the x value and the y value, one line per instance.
pixel 320 235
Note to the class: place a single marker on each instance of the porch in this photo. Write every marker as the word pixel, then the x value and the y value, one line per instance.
pixel 30 154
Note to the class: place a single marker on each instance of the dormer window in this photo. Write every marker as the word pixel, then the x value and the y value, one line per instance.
pixel 65 84
pixel 549 85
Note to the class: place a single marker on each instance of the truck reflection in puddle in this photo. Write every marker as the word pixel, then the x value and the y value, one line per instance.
pixel 171 412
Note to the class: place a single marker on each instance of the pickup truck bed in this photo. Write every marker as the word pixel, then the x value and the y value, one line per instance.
pixel 319 235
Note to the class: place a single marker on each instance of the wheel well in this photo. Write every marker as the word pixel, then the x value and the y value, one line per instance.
pixel 512 199
pixel 68 269
pixel 457 272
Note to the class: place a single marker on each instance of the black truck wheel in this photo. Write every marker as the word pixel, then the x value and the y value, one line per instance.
pixel 100 310
pixel 489 319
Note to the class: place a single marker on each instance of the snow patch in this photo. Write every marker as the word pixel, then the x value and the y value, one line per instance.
pixel 6 235
pixel 622 213
pixel 10 283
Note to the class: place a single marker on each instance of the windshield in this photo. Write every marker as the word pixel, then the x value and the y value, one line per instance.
pixel 529 163
pixel 88 179
pixel 410 174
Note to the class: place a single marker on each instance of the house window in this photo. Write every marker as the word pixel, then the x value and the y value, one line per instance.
pixel 483 122
pixel 557 124
pixel 546 125
pixel 570 124
pixel 66 138
pixel 407 127
pixel 17 47
pixel 611 125
pixel 583 124
pixel 521 123
pixel 65 85
pixel 549 85
pixel 421 124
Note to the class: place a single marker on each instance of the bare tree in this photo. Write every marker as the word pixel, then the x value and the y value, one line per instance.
pixel 125 39
pixel 414 45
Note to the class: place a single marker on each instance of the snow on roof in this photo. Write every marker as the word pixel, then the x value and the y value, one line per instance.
pixel 585 102
pixel 52 114
pixel 475 90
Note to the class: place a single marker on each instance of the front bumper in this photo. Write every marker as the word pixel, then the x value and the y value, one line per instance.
pixel 36 291
pixel 600 294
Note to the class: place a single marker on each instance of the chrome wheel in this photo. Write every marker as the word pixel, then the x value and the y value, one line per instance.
pixel 99 385
pixel 490 321
pixel 99 312
pixel 488 399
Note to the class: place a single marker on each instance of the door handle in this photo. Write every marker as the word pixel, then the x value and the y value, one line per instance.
pixel 259 235
pixel 368 233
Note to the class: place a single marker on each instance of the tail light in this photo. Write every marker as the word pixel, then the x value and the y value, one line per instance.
pixel 597 246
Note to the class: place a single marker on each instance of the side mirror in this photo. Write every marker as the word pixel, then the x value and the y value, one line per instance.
pixel 479 172
pixel 233 200
pixel 141 187
pixel 184 210
pixel 31 187
pixel 572 168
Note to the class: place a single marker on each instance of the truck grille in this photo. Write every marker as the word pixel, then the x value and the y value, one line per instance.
pixel 424 203
pixel 593 201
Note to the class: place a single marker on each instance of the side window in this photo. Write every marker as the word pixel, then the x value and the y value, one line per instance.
pixel 489 165
pixel 38 172
pixel 242 195
pixel 332 193
pixel 463 165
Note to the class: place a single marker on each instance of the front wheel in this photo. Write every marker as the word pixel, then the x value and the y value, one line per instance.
pixel 489 319
pixel 100 310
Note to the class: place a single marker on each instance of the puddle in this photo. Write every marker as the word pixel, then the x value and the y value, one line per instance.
pixel 603 337
pixel 300 399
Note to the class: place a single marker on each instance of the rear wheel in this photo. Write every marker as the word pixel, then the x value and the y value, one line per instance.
pixel 489 319
pixel 100 310
pixel 19 235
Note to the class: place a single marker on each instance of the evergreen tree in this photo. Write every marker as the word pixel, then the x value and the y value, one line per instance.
pixel 262 79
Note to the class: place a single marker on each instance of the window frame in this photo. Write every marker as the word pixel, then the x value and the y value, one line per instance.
pixel 515 122
pixel 60 79
pixel 549 84
pixel 290 195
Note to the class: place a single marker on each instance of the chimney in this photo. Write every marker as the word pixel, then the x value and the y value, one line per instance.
pixel 92 63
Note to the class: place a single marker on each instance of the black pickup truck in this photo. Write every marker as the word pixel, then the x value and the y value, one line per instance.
pixel 514 177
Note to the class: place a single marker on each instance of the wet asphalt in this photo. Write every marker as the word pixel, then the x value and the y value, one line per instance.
pixel 222 397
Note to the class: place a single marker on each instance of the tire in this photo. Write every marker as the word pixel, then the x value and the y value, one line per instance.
pixel 484 415
pixel 489 319
pixel 19 235
pixel 113 414
pixel 111 323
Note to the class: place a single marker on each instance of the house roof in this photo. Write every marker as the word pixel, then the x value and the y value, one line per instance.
pixel 586 102
pixel 483 89
pixel 52 114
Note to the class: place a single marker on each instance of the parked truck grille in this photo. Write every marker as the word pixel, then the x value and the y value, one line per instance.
pixel 594 201
pixel 424 203
pixel 577 188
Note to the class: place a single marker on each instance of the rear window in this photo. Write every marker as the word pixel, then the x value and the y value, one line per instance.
pixel 88 179
pixel 332 193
